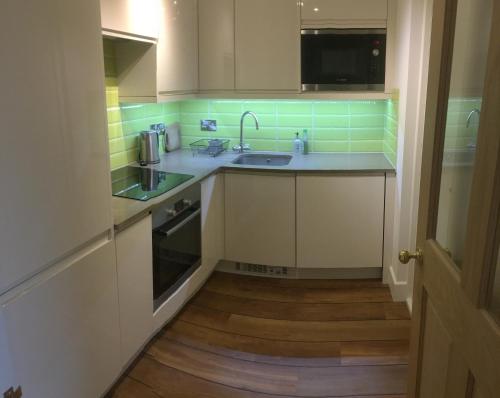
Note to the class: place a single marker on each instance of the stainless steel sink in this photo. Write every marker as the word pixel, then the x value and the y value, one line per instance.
pixel 261 159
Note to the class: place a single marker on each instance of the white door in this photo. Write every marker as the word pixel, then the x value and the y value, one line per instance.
pixel 455 347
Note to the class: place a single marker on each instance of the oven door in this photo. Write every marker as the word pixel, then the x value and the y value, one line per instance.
pixel 343 59
pixel 176 252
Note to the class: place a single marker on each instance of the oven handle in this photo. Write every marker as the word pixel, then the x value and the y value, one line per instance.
pixel 173 230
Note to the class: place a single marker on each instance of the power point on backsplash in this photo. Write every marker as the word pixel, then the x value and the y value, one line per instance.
pixel 208 125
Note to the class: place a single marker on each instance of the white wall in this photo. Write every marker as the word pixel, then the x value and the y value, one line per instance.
pixel 413 33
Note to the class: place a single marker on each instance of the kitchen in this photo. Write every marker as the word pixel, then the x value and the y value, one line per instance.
pixel 219 191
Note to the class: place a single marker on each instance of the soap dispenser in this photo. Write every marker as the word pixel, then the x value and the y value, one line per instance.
pixel 305 142
pixel 297 143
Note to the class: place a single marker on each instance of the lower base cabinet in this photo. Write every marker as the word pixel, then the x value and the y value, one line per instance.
pixel 134 255
pixel 260 218
pixel 60 336
pixel 340 221
pixel 212 220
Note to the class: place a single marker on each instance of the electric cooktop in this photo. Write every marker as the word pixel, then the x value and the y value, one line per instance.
pixel 140 183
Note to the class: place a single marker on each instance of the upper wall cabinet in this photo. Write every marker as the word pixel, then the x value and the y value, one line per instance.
pixel 152 71
pixel 131 17
pixel 216 44
pixel 344 13
pixel 178 47
pixel 267 38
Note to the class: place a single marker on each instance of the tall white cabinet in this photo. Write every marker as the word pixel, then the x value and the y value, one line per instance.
pixel 62 333
pixel 267 42
pixel 54 159
pixel 59 330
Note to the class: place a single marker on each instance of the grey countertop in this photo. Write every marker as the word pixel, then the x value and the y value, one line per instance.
pixel 128 211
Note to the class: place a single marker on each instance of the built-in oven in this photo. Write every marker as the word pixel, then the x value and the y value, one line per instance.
pixel 343 59
pixel 176 242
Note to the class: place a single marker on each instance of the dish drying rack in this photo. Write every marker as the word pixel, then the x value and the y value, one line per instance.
pixel 210 147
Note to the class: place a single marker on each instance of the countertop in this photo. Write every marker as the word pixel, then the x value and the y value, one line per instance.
pixel 128 211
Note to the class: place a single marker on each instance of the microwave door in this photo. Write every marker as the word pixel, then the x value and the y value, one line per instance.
pixel 342 62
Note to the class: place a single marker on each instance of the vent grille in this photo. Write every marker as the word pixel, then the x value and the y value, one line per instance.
pixel 261 269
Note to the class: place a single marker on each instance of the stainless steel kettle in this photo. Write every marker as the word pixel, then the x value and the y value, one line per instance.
pixel 149 147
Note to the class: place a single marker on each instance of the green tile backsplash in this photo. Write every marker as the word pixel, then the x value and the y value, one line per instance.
pixel 333 126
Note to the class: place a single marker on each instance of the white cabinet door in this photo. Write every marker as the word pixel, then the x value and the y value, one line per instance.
pixel 131 17
pixel 267 35
pixel 178 47
pixel 216 44
pixel 134 256
pixel 54 157
pixel 212 220
pixel 63 331
pixel 344 12
pixel 340 221
pixel 260 218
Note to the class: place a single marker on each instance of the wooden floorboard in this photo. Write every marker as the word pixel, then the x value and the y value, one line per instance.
pixel 243 337
pixel 276 329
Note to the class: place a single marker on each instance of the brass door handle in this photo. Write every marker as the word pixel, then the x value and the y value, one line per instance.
pixel 405 256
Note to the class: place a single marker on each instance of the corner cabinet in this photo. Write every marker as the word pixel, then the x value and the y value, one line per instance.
pixel 131 17
pixel 260 218
pixel 134 257
pixel 340 221
pixel 267 42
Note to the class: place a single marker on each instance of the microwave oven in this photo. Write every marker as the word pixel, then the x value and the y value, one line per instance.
pixel 343 59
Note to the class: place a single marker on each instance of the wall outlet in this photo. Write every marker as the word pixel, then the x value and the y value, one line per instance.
pixel 208 125
pixel 11 393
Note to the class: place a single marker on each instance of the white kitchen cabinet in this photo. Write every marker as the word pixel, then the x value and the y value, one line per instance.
pixel 212 220
pixel 177 51
pixel 134 257
pixel 61 331
pixel 216 44
pixel 131 17
pixel 267 41
pixel 54 157
pixel 344 13
pixel 340 221
pixel 260 218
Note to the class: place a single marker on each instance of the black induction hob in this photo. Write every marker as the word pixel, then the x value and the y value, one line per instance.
pixel 140 183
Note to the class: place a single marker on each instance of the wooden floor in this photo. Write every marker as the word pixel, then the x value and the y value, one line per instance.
pixel 255 337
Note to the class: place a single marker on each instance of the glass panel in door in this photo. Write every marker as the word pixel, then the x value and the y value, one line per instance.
pixel 468 71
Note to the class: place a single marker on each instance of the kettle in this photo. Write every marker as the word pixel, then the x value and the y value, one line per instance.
pixel 149 147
